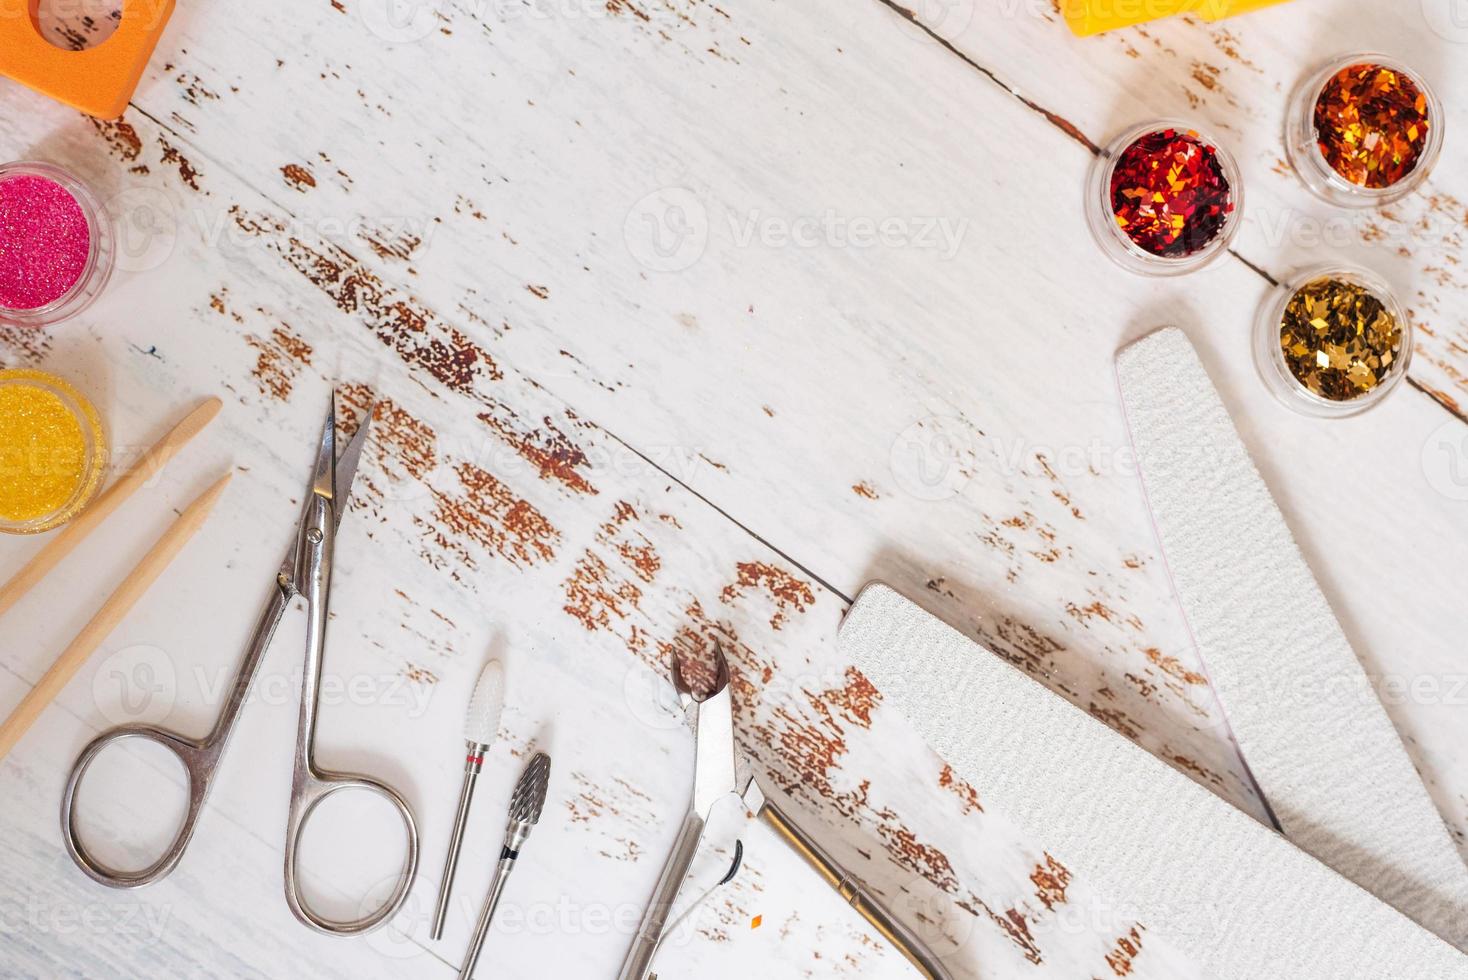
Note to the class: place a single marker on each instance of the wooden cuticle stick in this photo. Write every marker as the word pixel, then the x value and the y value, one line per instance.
pixel 151 463
pixel 117 606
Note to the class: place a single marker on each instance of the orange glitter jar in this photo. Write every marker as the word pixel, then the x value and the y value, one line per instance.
pixel 52 452
pixel 1364 131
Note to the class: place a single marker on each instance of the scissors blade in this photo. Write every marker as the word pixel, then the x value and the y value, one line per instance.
pixel 346 466
pixel 323 476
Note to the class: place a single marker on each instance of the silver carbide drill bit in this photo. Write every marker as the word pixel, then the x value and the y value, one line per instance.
pixel 525 807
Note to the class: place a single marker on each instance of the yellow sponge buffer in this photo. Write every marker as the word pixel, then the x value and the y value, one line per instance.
pixel 1094 16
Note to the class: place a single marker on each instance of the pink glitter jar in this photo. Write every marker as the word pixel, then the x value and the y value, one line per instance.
pixel 56 249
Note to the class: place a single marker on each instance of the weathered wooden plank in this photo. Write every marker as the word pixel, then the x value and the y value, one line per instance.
pixel 882 333
pixel 498 518
pixel 582 283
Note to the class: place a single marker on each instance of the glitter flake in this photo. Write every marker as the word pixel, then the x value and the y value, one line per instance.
pixel 44 242
pixel 1339 339
pixel 1372 125
pixel 43 453
pixel 1169 193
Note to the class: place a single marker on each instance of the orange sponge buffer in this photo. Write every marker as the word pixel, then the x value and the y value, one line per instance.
pixel 100 80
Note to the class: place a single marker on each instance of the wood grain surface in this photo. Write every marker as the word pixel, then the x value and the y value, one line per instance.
pixel 686 319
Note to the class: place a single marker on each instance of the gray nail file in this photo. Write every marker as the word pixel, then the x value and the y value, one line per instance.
pixel 1241 900
pixel 1318 742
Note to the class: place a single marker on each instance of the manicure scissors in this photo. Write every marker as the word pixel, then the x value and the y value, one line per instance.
pixel 720 772
pixel 305 572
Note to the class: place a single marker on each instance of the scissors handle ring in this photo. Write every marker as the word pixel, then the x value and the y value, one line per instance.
pixel 196 759
pixel 310 791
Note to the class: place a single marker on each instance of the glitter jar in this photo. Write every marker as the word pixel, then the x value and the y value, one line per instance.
pixel 1332 342
pixel 1363 131
pixel 56 245
pixel 1164 199
pixel 52 452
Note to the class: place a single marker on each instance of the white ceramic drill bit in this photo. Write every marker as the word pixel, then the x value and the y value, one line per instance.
pixel 480 725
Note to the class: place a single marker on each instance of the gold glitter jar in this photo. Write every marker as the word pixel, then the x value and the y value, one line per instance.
pixel 52 452
pixel 1363 131
pixel 1332 342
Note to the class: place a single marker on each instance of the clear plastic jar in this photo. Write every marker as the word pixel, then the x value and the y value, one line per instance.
pixel 57 301
pixel 1273 368
pixel 1302 138
pixel 53 453
pixel 1119 245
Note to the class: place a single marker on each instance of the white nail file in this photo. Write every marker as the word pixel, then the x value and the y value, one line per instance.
pixel 1319 744
pixel 1241 900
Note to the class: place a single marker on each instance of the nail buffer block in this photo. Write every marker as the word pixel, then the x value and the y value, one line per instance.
pixel 1242 900
pixel 1319 744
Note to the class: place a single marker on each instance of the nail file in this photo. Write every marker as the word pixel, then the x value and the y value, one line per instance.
pixel 1241 900
pixel 1319 744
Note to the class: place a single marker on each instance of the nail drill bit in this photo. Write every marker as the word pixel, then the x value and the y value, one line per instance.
pixel 480 725
pixel 525 807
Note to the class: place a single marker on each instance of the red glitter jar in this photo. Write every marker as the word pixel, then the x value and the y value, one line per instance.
pixel 56 245
pixel 1164 199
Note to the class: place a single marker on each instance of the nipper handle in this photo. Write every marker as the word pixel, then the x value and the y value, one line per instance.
pixel 664 896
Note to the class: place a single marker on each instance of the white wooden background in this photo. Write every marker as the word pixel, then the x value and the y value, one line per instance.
pixel 647 380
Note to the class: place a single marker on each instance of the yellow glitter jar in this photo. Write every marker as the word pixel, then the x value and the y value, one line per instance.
pixel 52 452
pixel 1332 342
